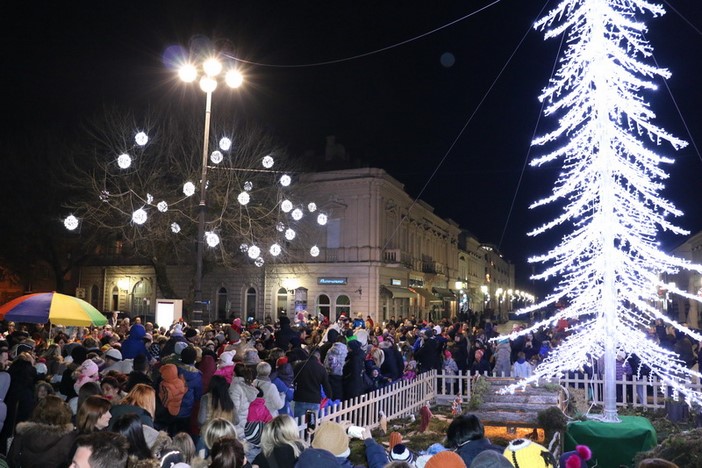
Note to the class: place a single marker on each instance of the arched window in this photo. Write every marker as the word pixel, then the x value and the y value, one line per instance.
pixel 250 303
pixel 95 297
pixel 115 298
pixel 222 304
pixel 324 305
pixel 282 301
pixel 343 306
pixel 141 299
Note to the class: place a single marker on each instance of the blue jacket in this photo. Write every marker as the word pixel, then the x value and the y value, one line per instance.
pixel 470 450
pixel 134 344
pixel 193 379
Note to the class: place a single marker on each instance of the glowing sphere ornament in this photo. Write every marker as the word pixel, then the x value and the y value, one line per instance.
pixel 141 139
pixel 175 228
pixel 212 239
pixel 187 73
pixel 253 252
pixel 162 206
pixel 225 144
pixel 286 206
pixel 280 227
pixel 139 216
pixel 267 162
pixel 275 250
pixel 314 251
pixel 321 219
pixel 124 161
pixel 149 198
pixel 312 207
pixel 188 189
pixel 285 180
pixel 289 234
pixel 296 214
pixel 259 262
pixel 243 198
pixel 216 157
pixel 244 248
pixel 71 222
pixel 248 186
pixel 234 79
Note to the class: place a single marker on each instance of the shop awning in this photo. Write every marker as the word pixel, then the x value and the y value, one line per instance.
pixel 426 294
pixel 398 292
pixel 444 294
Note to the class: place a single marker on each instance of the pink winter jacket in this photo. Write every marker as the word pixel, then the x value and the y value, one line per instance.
pixel 258 411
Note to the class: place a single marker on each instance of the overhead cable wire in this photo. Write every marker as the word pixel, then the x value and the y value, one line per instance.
pixel 365 54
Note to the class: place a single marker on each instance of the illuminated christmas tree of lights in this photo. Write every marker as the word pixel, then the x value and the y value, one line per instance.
pixel 609 265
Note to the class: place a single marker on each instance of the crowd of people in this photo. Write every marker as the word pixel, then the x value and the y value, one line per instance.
pixel 227 394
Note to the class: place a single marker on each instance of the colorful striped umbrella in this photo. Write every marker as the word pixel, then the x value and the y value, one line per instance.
pixel 60 309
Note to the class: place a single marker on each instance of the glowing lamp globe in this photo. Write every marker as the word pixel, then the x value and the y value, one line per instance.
pixel 286 206
pixel 162 206
pixel 175 228
pixel 259 262
pixel 253 252
pixel 187 73
pixel 225 144
pixel 139 216
pixel 285 180
pixel 275 250
pixel 234 79
pixel 267 161
pixel 289 234
pixel 216 157
pixel 141 139
pixel 296 214
pixel 314 251
pixel 212 239
pixel 244 248
pixel 188 189
pixel 71 222
pixel 208 84
pixel 124 161
pixel 322 219
pixel 312 207
pixel 212 67
pixel 243 198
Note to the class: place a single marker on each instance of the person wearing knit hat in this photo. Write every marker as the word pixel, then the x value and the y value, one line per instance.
pixel 179 347
pixel 524 453
pixel 400 452
pixel 446 459
pixel 490 459
pixel 575 459
pixel 86 372
pixel 395 438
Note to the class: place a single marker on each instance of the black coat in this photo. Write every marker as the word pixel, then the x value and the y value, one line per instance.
pixel 353 371
pixel 393 365
pixel 310 375
pixel 427 356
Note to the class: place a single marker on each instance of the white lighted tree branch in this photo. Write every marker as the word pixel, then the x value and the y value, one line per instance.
pixel 609 265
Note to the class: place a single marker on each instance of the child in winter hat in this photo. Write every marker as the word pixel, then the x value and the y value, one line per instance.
pixel 86 372
pixel 331 436
pixel 446 459
pixel 524 453
pixel 577 458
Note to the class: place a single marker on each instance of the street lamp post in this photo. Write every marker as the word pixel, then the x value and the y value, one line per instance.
pixel 211 68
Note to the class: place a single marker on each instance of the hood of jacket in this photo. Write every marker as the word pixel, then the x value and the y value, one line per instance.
pixel 137 332
pixel 169 372
pixel 38 437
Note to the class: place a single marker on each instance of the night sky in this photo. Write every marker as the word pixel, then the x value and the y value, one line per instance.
pixel 367 72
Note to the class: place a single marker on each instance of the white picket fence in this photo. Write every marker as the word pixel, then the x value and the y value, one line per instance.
pixel 405 398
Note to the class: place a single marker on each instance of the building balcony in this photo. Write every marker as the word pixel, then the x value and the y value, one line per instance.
pixel 397 256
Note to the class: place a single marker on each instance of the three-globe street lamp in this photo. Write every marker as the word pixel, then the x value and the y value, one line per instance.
pixel 209 71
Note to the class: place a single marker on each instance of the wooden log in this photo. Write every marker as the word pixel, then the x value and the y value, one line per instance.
pixel 504 418
pixel 526 399
pixel 515 407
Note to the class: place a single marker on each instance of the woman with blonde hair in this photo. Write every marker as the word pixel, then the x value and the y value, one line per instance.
pixel 93 415
pixel 281 444
pixel 212 432
pixel 141 400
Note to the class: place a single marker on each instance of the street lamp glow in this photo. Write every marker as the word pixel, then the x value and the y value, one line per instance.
pixel 234 79
pixel 275 250
pixel 187 73
pixel 141 139
pixel 71 222
pixel 124 161
pixel 139 216
pixel 208 84
pixel 225 143
pixel 188 189
pixel 212 67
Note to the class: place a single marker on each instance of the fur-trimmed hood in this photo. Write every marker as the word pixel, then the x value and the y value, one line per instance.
pixel 38 437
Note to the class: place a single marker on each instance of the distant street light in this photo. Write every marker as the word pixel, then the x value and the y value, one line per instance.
pixel 208 71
